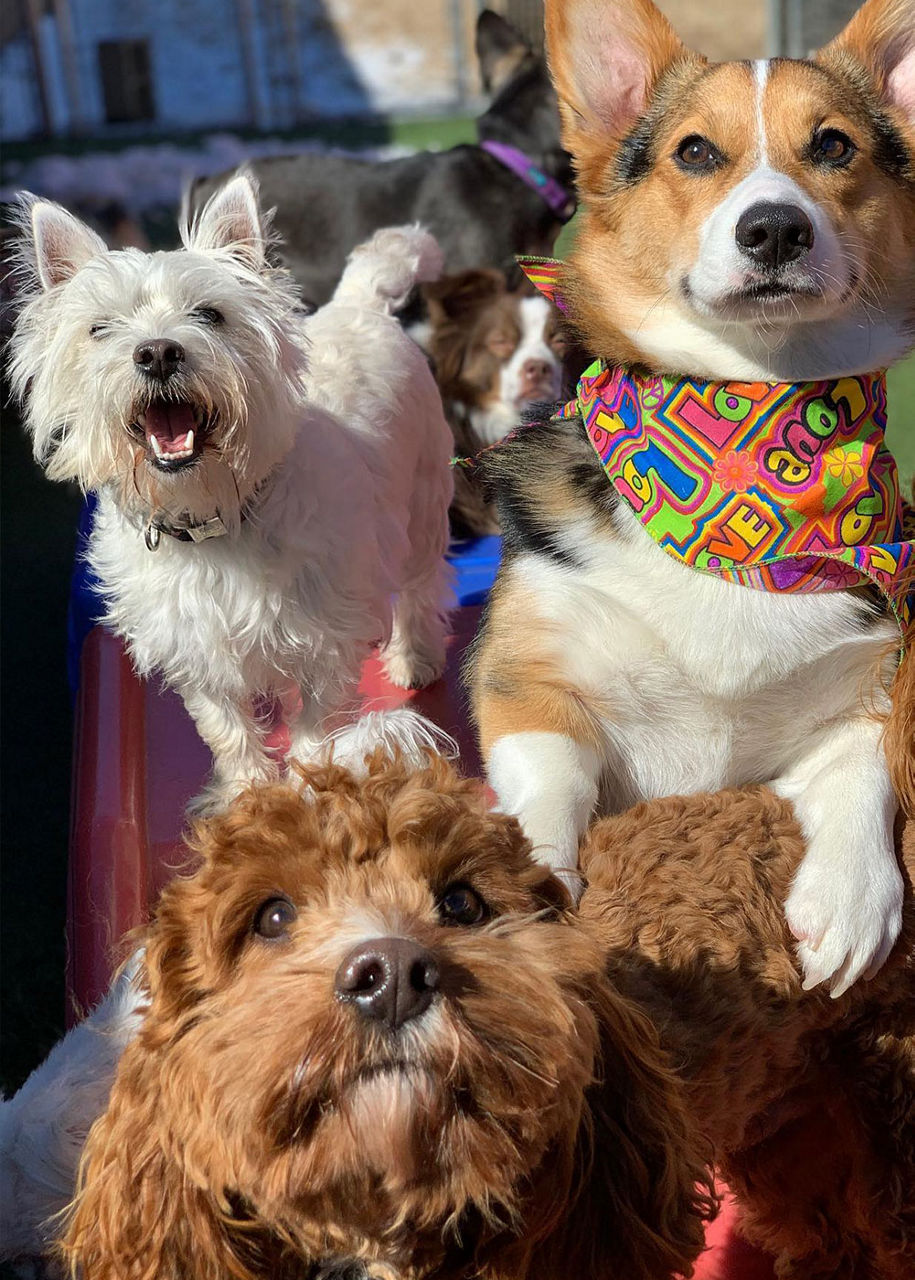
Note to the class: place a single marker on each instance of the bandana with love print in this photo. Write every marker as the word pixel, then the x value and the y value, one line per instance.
pixel 773 485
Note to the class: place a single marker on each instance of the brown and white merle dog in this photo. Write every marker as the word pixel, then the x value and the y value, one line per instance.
pixel 495 352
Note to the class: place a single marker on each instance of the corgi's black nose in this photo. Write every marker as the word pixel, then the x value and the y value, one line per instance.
pixel 774 234
pixel 389 979
pixel 158 358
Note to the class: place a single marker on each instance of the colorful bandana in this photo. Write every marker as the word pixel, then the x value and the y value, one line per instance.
pixel 777 486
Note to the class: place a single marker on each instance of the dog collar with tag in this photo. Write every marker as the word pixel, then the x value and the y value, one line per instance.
pixel 200 532
pixel 778 486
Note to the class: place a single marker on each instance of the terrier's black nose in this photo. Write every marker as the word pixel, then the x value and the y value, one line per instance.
pixel 390 979
pixel 159 358
pixel 773 234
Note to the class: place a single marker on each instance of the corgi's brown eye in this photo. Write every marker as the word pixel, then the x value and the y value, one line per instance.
pixel 460 904
pixel 697 153
pixel 273 918
pixel 831 146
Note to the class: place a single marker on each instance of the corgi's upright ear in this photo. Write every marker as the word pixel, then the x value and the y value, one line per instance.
pixel 881 37
pixel 606 57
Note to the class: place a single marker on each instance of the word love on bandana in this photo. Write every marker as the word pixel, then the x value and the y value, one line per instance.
pixel 778 486
pixel 772 485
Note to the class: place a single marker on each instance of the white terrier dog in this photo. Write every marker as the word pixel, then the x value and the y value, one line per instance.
pixel 273 491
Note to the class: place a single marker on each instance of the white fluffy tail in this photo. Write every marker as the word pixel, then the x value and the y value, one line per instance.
pixel 381 273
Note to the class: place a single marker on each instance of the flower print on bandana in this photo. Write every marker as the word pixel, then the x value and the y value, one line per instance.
pixel 735 472
pixel 846 465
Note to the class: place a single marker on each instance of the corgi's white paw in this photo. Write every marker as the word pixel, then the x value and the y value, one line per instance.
pixel 845 918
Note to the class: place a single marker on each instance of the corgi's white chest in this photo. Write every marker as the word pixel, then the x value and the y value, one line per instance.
pixel 698 683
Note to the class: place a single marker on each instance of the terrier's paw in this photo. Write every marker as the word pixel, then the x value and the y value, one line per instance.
pixel 845 923
pixel 219 793
pixel 402 732
pixel 410 669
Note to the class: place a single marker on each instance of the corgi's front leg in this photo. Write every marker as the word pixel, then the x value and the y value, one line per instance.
pixel 845 905
pixel 550 782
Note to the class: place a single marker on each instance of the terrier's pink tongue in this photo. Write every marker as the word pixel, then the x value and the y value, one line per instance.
pixel 170 424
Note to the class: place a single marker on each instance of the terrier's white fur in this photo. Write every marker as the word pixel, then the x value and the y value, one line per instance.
pixel 321 446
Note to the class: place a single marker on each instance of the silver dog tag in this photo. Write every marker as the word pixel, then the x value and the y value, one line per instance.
pixel 213 528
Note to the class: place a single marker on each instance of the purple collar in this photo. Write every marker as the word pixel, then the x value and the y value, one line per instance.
pixel 552 193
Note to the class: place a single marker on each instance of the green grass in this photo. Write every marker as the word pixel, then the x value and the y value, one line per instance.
pixel 901 431
pixel 419 133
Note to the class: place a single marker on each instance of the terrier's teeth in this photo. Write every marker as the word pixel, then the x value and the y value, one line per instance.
pixel 189 446
pixel 156 447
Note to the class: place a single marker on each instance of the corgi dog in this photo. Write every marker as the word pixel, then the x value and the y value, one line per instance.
pixel 753 225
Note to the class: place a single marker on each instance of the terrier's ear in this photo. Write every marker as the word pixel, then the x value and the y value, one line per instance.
pixel 500 50
pixel 231 219
pixel 605 57
pixel 881 35
pixel 61 242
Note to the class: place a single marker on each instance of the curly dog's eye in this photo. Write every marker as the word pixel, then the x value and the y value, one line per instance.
pixel 460 904
pixel 273 918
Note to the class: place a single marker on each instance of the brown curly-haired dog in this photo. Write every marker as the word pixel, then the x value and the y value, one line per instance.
pixel 371 1049
pixel 808 1101
pixel 377 1046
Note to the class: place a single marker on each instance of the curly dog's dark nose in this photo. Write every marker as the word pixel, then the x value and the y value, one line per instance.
pixel 389 979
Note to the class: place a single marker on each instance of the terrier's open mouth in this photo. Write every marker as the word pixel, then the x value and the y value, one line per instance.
pixel 174 432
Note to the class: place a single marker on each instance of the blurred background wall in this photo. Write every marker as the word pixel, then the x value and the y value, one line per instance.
pixel 114 66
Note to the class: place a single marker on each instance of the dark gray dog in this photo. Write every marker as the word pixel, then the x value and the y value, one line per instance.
pixel 485 203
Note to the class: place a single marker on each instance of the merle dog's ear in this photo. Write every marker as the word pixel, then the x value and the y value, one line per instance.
pixel 458 297
pixel 61 243
pixel 500 50
pixel 231 219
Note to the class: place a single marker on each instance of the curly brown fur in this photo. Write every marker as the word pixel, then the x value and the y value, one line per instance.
pixel 809 1102
pixel 259 1126
pixel 899 737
